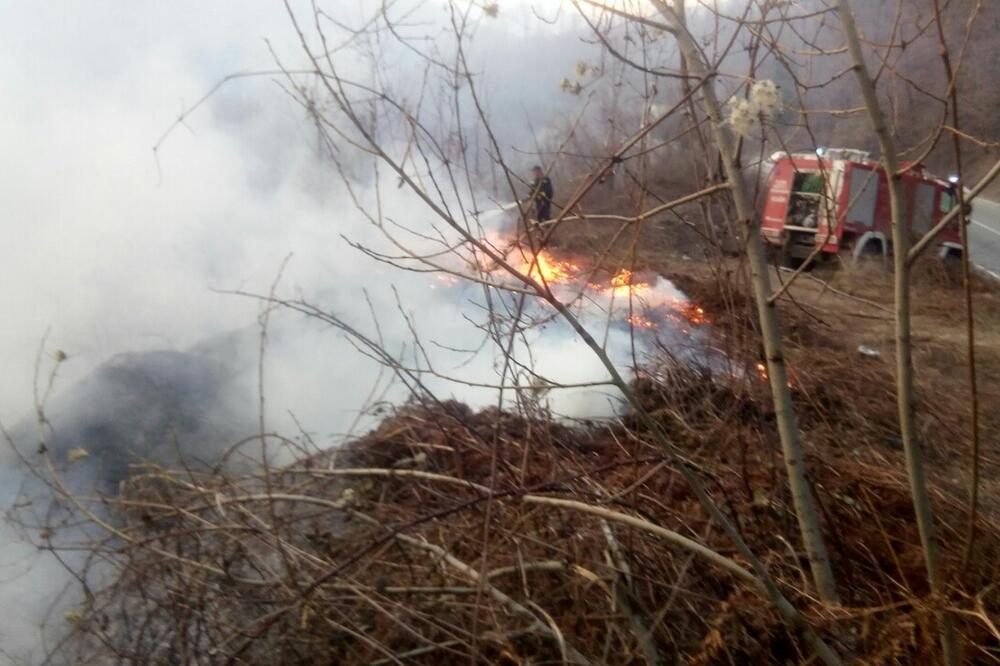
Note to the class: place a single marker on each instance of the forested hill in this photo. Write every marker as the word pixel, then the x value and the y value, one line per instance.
pixel 913 97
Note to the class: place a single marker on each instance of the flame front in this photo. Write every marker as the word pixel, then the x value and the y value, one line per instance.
pixel 638 321
pixel 546 268
pixel 624 284
pixel 650 304
pixel 694 314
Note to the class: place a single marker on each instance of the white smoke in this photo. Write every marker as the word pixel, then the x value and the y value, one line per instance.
pixel 112 250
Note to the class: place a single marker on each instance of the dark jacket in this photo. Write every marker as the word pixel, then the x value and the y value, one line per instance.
pixel 541 190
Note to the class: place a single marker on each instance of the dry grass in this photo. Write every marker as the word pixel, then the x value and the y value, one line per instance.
pixel 351 567
pixel 435 537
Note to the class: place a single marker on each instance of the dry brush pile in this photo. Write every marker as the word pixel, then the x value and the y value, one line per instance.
pixel 446 534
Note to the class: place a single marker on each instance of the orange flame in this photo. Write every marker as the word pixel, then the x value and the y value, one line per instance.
pixel 638 321
pixel 624 284
pixel 762 372
pixel 546 268
pixel 623 278
pixel 694 314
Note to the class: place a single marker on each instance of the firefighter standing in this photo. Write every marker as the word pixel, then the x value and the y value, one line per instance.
pixel 541 194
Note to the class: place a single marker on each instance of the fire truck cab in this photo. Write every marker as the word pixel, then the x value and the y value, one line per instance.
pixel 837 200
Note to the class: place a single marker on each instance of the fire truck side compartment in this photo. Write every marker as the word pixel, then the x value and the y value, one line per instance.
pixel 849 207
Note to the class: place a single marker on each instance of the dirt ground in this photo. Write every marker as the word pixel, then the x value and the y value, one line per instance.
pixel 940 344
pixel 834 313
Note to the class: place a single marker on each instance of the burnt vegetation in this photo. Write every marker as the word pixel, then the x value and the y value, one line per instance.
pixel 813 484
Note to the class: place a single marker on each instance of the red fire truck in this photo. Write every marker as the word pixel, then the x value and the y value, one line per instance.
pixel 838 200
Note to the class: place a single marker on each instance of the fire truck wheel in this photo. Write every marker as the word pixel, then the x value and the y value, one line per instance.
pixel 871 255
pixel 952 257
pixel 789 261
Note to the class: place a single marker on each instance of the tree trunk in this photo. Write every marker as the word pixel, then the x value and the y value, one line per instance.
pixel 788 429
pixel 904 351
